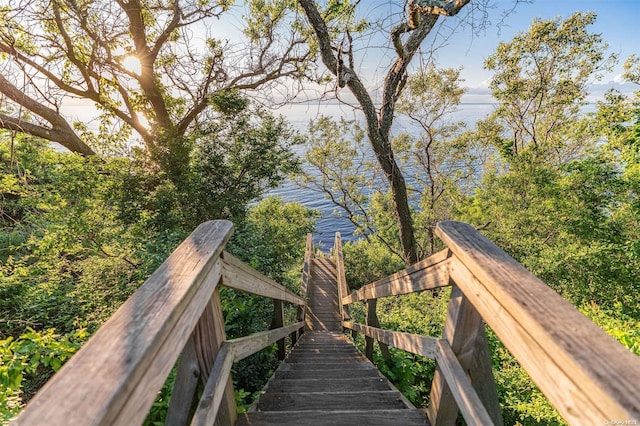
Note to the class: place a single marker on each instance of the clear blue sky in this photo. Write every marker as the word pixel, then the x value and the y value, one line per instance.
pixel 618 22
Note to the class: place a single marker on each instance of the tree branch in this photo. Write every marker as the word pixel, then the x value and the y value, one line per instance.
pixel 438 7
pixel 61 131
pixel 147 79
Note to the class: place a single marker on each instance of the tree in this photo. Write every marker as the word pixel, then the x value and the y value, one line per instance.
pixel 441 159
pixel 436 157
pixel 559 198
pixel 336 48
pixel 157 62
pixel 540 84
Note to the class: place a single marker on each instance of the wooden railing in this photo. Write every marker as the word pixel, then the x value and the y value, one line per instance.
pixel 587 375
pixel 176 313
pixel 341 276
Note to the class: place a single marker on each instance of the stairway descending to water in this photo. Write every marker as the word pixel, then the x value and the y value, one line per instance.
pixel 176 315
pixel 325 380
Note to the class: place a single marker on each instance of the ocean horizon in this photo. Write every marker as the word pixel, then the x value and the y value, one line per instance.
pixel 330 221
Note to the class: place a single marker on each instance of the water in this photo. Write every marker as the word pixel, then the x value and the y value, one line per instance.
pixel 329 221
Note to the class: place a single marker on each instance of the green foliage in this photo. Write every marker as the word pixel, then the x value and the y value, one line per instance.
pixel 366 262
pixel 79 236
pixel 229 102
pixel 521 401
pixel 158 410
pixel 66 256
pixel 271 238
pixel 556 197
pixel 540 84
pixel 567 225
pixel 419 313
pixel 28 361
pixel 237 159
pixel 617 323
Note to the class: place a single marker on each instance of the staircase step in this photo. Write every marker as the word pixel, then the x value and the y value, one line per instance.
pixel 325 380
pixel 409 417
pixel 320 350
pixel 305 373
pixel 326 366
pixel 330 401
pixel 348 358
pixel 329 385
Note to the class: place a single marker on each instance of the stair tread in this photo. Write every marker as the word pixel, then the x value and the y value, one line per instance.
pixel 306 401
pixel 303 374
pixel 408 417
pixel 335 384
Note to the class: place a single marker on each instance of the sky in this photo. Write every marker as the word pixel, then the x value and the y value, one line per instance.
pixel 617 21
pixel 459 46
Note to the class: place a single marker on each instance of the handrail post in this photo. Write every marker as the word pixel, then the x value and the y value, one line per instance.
pixel 341 278
pixel 184 387
pixel 465 333
pixel 371 312
pixel 306 277
pixel 372 321
pixel 209 337
pixel 278 321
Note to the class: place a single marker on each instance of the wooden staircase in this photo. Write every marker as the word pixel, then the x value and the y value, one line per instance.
pixel 326 380
pixel 176 315
pixel 323 312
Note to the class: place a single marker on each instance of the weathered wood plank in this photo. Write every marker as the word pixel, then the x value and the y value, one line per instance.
pixel 428 274
pixel 139 344
pixel 248 345
pixel 341 277
pixel 414 343
pixel 214 390
pixel 302 374
pixel 239 276
pixel 323 360
pixel 290 366
pixel 326 350
pixel 585 373
pixel 329 385
pixel 209 337
pixel 464 331
pixel 409 417
pixel 465 395
pixel 185 386
pixel 330 401
pixel 306 267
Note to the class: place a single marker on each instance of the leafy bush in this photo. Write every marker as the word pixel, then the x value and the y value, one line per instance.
pixel 365 262
pixel 79 235
pixel 28 361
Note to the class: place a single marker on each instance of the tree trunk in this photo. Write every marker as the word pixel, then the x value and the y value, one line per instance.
pixel 377 129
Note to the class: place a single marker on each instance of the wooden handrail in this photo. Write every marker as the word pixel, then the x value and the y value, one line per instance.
pixel 585 373
pixel 306 276
pixel 306 268
pixel 470 405
pixel 232 351
pixel 413 343
pixel 115 377
pixel 428 274
pixel 240 276
pixel 341 277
